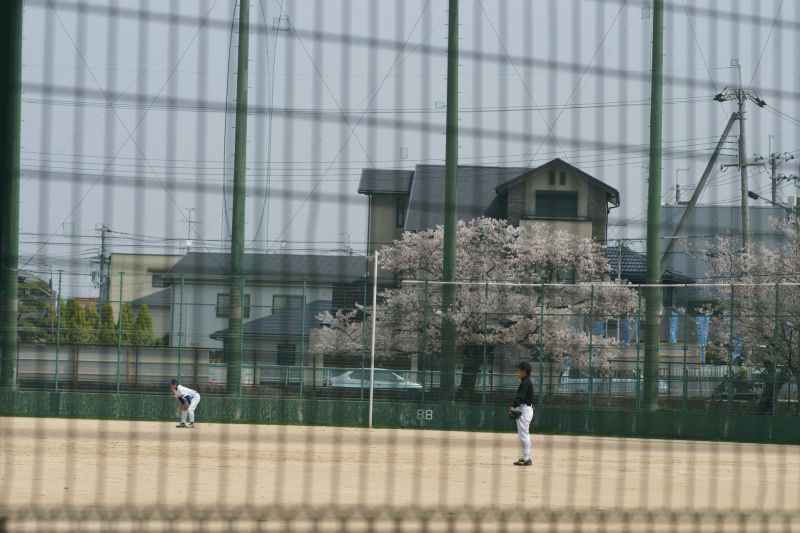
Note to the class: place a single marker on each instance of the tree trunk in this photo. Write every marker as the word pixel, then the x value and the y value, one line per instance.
pixel 772 387
pixel 473 359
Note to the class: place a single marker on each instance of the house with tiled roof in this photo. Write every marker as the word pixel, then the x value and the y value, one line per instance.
pixel 274 285
pixel 556 194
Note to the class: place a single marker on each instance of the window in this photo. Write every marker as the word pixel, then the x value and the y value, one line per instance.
pixel 400 214
pixel 286 354
pixel 551 177
pixel 556 204
pixel 223 306
pixel 159 281
pixel 562 178
pixel 285 301
pixel 567 277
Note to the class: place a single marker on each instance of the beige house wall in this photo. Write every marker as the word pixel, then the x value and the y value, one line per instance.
pixel 382 225
pixel 137 279
pixel 540 182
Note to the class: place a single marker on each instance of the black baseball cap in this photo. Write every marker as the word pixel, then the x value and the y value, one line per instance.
pixel 173 381
pixel 524 365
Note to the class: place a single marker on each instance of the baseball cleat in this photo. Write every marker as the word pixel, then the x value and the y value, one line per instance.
pixel 190 425
pixel 523 462
pixel 181 425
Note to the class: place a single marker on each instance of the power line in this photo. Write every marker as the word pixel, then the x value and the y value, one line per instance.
pixel 130 133
pixel 769 35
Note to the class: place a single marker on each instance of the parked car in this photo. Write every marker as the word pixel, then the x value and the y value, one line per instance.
pixel 573 381
pixel 384 379
pixel 742 390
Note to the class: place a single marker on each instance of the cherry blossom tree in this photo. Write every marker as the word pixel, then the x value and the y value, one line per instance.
pixel 508 297
pixel 761 305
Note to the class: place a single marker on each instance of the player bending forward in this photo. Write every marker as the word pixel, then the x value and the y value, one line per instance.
pixel 189 399
pixel 522 411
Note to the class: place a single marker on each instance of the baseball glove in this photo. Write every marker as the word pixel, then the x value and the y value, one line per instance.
pixel 514 414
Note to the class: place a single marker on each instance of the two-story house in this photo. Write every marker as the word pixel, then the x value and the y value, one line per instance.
pixel 557 194
pixel 274 284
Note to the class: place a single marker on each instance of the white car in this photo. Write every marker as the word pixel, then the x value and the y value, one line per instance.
pixel 575 382
pixel 384 379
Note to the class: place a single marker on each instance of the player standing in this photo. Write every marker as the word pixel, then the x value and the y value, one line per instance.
pixel 522 411
pixel 189 399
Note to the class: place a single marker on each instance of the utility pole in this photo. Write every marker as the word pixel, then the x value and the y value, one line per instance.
pixel 776 160
pixel 698 190
pixel 653 307
pixel 103 274
pixel 741 95
pixel 743 175
pixel 447 380
pixel 233 340
pixel 10 102
pixel 189 222
pixel 678 184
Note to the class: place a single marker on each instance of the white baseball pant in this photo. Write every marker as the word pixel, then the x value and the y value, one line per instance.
pixel 523 429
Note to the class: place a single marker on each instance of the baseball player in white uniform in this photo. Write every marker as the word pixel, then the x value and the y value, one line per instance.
pixel 189 399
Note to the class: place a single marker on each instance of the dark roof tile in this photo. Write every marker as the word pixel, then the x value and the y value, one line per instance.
pixel 383 181
pixel 476 194
pixel 285 323
pixel 273 267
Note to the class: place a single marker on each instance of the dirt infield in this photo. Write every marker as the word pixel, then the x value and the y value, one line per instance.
pixel 61 464
pixel 88 462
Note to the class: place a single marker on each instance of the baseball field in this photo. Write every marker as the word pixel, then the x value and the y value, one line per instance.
pixel 80 463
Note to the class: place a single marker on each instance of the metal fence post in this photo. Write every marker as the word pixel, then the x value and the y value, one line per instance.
pixel 119 328
pixel 730 356
pixel 638 349
pixel 58 326
pixel 241 332
pixel 685 350
pixel 425 325
pixel 591 348
pixel 302 339
pixel 485 323
pixel 364 334
pixel 775 390
pixel 180 328
pixel 774 335
pixel 541 347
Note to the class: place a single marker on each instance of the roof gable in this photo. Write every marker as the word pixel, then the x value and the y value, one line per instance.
pixel 612 194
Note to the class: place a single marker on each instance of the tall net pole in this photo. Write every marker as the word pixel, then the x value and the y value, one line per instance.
pixel 450 206
pixel 10 74
pixel 653 298
pixel 233 341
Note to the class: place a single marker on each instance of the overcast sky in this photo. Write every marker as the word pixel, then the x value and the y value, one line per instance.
pixel 125 123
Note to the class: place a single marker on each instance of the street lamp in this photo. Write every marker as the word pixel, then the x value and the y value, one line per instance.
pixel 756 196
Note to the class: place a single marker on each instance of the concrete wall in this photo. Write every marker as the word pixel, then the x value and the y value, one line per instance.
pixel 100 365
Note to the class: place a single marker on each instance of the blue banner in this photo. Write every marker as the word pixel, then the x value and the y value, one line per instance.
pixel 629 330
pixel 673 328
pixel 702 335
pixel 601 328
